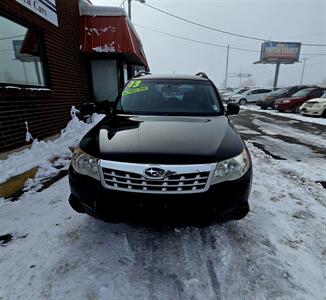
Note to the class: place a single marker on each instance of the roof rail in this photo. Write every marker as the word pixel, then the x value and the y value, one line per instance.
pixel 202 74
pixel 142 73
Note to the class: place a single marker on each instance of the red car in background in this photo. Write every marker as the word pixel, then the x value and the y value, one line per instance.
pixel 296 100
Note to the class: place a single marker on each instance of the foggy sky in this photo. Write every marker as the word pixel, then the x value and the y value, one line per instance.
pixel 292 21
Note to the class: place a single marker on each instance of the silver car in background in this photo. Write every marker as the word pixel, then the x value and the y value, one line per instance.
pixel 250 96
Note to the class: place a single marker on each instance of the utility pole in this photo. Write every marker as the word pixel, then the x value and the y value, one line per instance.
pixel 277 70
pixel 129 9
pixel 227 67
pixel 303 68
pixel 129 6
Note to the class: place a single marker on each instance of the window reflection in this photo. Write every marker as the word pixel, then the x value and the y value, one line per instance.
pixel 20 57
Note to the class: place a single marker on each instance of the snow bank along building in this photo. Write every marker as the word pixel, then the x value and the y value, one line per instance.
pixel 55 54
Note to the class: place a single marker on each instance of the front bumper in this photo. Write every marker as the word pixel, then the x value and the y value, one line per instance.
pixel 310 111
pixel 265 103
pixel 224 201
pixel 283 106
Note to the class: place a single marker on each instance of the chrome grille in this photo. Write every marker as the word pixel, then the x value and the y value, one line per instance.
pixel 180 178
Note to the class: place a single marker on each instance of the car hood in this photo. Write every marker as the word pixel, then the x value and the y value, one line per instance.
pixel 160 139
pixel 319 100
pixel 274 97
pixel 291 99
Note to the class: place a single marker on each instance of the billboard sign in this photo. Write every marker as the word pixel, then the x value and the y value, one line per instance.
pixel 45 8
pixel 273 52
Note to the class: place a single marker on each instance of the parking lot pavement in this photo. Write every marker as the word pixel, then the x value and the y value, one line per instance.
pixel 278 251
pixel 283 138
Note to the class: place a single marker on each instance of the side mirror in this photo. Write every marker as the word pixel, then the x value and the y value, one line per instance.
pixel 232 109
pixel 105 107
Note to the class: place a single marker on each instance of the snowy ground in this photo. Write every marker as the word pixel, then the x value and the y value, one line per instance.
pixel 41 153
pixel 297 116
pixel 277 252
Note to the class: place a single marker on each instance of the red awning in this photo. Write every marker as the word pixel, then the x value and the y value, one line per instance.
pixel 111 34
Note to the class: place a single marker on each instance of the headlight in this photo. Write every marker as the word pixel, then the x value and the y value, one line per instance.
pixel 85 164
pixel 316 105
pixel 232 169
pixel 286 101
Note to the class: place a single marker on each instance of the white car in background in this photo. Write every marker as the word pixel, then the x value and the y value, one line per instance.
pixel 250 96
pixel 314 107
pixel 226 96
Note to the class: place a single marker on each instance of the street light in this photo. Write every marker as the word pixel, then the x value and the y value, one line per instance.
pixel 129 6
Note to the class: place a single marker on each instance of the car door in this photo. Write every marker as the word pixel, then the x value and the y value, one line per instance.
pixel 255 95
pixel 252 96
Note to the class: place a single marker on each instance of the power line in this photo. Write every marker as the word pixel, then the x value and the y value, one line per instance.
pixel 213 44
pixel 195 41
pixel 220 30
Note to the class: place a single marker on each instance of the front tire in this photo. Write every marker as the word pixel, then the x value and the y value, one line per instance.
pixel 295 109
pixel 324 113
pixel 75 205
pixel 243 101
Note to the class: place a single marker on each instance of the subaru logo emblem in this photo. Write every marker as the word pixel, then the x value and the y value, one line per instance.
pixel 155 173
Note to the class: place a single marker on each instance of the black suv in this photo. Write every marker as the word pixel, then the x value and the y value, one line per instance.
pixel 167 148
pixel 286 92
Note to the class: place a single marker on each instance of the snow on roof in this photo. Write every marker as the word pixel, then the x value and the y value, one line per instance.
pixel 87 9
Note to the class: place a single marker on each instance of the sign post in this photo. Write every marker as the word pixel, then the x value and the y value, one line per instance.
pixel 277 70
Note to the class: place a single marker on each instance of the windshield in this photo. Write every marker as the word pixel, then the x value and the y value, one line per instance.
pixel 302 93
pixel 169 97
pixel 280 92
pixel 242 90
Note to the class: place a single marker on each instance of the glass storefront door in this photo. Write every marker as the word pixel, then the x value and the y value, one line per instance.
pixel 105 79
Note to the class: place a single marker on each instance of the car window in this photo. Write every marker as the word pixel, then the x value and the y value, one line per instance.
pixel 302 93
pixel 316 93
pixel 240 91
pixel 184 97
pixel 259 91
pixel 280 92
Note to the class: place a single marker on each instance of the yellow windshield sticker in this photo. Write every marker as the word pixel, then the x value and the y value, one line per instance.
pixel 136 90
pixel 134 84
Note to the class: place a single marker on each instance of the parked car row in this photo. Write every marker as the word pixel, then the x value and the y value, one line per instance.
pixel 294 102
pixel 306 99
pixel 268 100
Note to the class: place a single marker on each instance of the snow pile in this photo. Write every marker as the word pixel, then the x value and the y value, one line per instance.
pixel 277 252
pixel 25 88
pixel 41 152
pixel 106 48
pixel 315 120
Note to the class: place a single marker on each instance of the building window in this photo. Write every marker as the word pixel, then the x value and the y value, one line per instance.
pixel 20 55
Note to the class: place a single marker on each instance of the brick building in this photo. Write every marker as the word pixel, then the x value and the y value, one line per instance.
pixel 49 62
